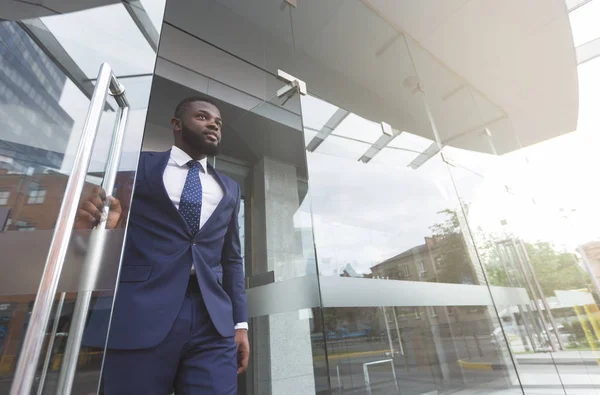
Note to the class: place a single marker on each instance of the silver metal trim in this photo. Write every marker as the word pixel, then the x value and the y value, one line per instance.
pixel 51 339
pixel 332 123
pixel 288 3
pixel 140 17
pixel 588 51
pixel 386 129
pixel 40 315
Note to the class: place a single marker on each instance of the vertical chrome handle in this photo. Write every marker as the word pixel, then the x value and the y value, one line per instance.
pixel 40 315
pixel 94 255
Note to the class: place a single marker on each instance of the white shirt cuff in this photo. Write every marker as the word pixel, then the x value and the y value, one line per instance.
pixel 241 325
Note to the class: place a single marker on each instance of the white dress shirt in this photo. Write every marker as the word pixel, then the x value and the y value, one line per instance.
pixel 212 192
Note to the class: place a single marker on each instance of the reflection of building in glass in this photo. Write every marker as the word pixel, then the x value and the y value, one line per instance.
pixel 432 262
pixel 34 201
pixel 30 91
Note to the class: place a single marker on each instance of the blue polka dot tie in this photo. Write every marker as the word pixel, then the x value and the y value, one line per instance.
pixel 190 204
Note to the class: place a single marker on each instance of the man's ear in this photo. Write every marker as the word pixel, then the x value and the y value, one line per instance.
pixel 176 124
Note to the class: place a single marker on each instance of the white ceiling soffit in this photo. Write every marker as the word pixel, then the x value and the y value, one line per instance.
pixel 508 66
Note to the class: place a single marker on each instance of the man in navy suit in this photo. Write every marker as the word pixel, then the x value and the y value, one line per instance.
pixel 180 317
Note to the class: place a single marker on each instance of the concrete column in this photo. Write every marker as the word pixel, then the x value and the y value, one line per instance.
pixel 282 343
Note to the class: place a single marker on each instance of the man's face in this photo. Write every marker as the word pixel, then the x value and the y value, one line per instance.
pixel 201 127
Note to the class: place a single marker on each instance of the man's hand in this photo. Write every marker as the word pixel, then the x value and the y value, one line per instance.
pixel 243 349
pixel 91 207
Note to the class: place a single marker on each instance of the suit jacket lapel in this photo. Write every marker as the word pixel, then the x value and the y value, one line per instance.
pixel 227 193
pixel 154 169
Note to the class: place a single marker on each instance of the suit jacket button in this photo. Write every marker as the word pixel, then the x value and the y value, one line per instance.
pixel 193 243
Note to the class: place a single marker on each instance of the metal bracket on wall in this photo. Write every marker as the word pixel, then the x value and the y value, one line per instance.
pixel 294 86
pixel 291 3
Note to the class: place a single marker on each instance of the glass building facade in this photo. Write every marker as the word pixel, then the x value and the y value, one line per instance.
pixel 419 213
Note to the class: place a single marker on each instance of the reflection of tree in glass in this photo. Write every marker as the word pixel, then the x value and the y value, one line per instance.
pixel 454 263
pixel 555 270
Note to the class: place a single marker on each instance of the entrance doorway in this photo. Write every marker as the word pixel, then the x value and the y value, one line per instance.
pixel 74 88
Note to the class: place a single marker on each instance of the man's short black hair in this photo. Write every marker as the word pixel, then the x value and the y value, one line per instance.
pixel 185 103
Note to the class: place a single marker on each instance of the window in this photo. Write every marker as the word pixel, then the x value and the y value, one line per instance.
pixel 404 271
pixel 432 312
pixel 36 196
pixel 417 313
pixel 405 313
pixel 421 267
pixel 4 195
pixel 24 226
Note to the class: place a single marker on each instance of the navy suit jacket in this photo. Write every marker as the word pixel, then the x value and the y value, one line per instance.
pixel 160 250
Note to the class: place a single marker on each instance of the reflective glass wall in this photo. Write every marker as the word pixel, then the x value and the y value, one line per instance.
pixel 452 211
pixel 420 219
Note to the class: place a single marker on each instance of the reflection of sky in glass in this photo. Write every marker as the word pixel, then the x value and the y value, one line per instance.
pixel 358 128
pixel 76 104
pixel 315 112
pixel 410 141
pixel 104 34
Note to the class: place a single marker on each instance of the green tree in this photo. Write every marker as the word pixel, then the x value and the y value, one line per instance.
pixel 556 270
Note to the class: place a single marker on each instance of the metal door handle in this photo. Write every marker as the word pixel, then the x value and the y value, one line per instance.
pixel 40 315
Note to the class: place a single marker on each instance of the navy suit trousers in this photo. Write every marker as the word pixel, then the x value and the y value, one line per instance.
pixel 194 359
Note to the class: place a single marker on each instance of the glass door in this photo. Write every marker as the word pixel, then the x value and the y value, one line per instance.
pixel 56 67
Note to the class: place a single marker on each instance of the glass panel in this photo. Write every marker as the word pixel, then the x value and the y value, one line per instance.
pixel 532 216
pixel 134 55
pixel 267 46
pixel 560 235
pixel 389 228
pixel 47 75
pixel 367 235
pixel 583 22
pixel 399 347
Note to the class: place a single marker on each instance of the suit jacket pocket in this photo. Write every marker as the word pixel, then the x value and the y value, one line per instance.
pixel 135 273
